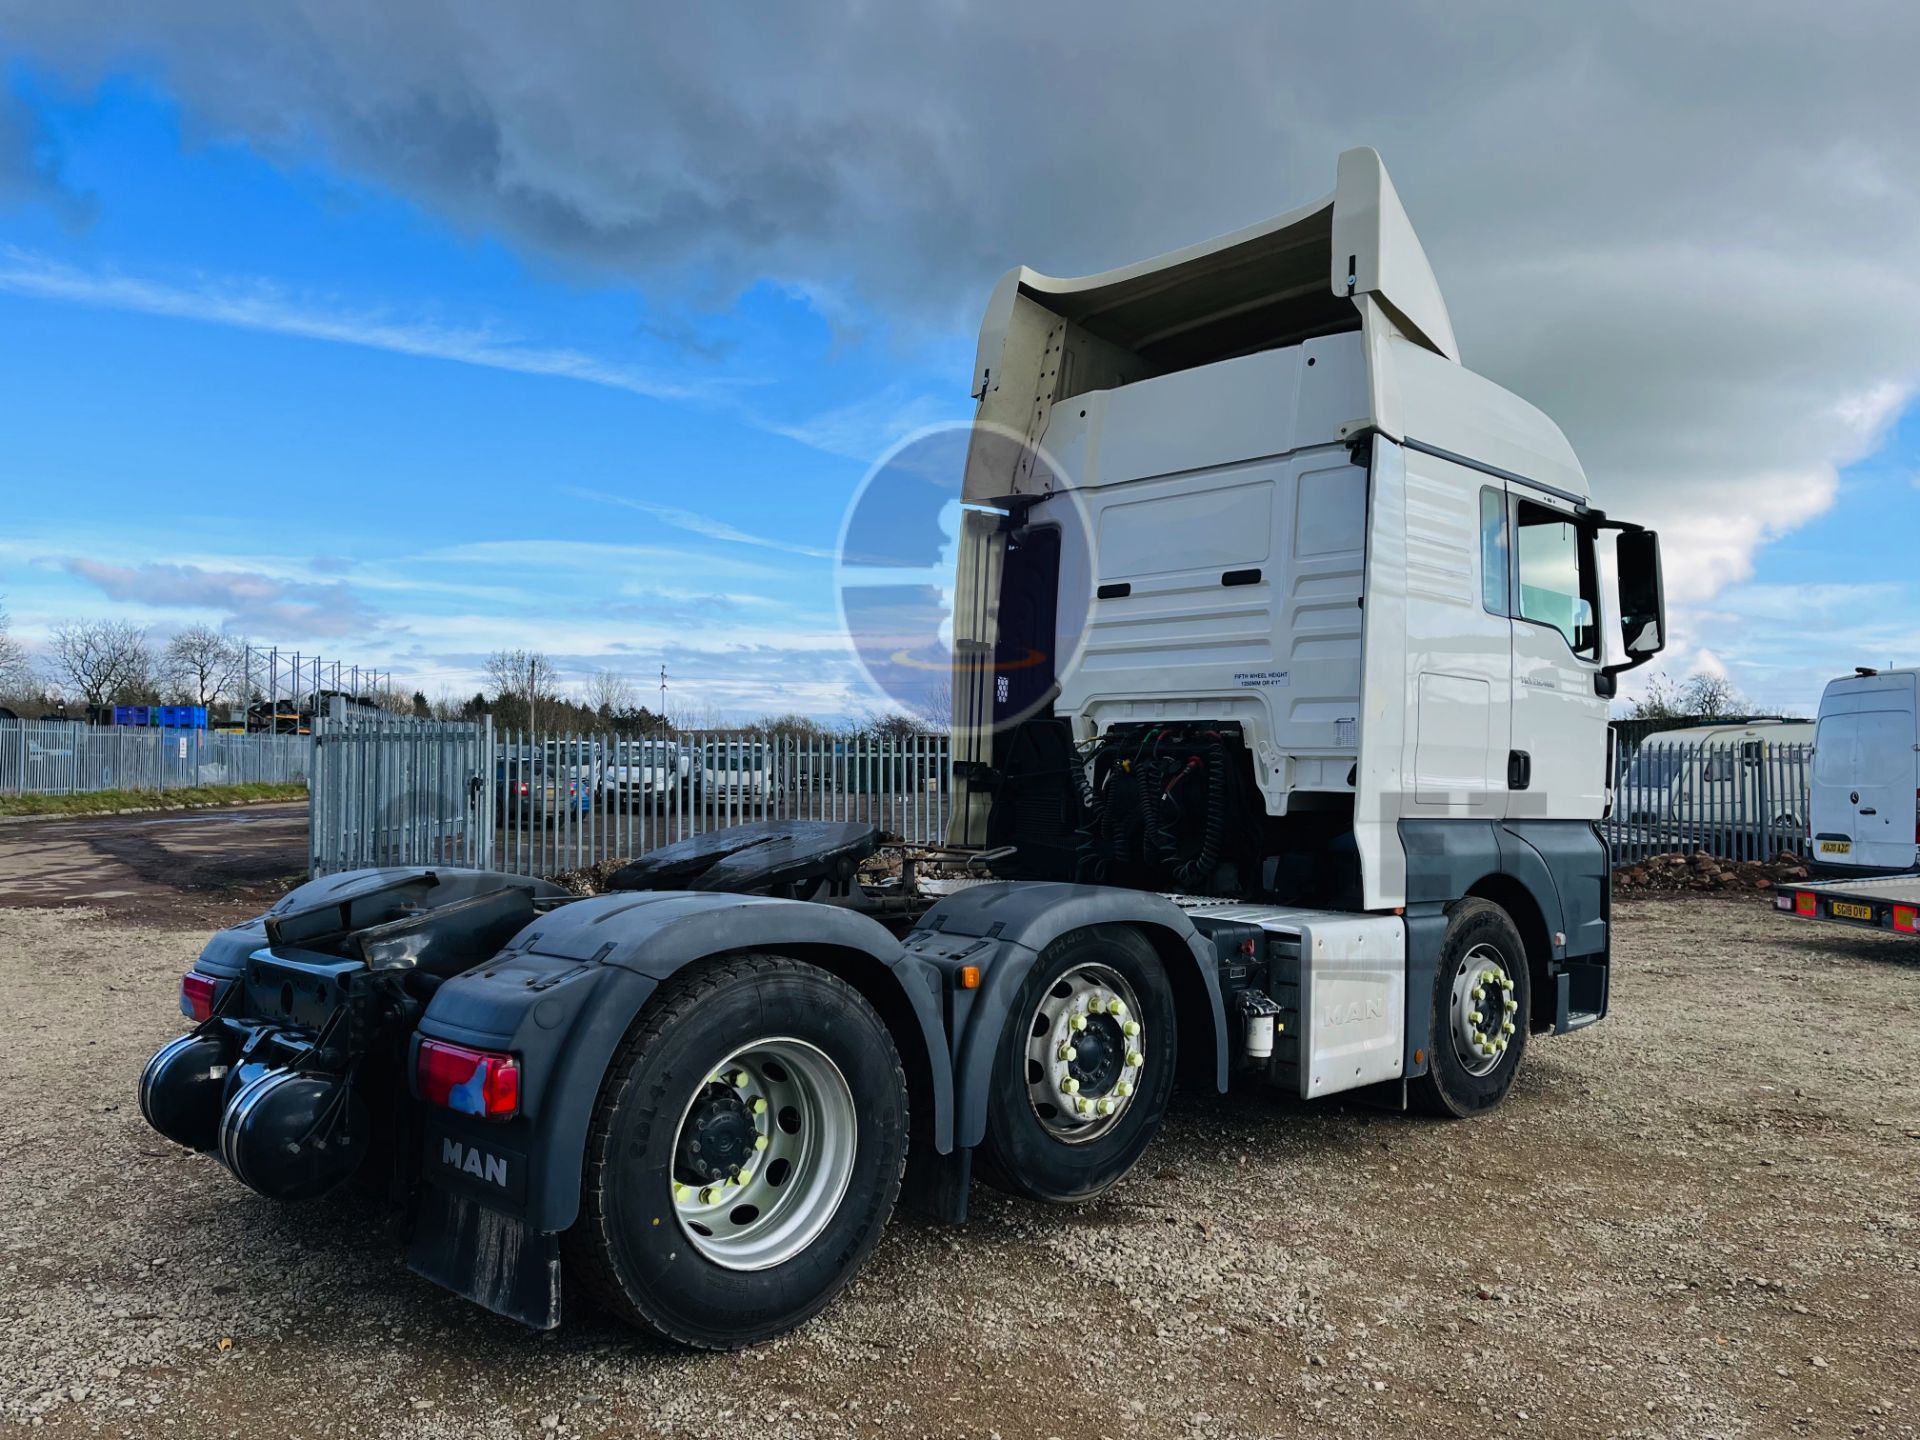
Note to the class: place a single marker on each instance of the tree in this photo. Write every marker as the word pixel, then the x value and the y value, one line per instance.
pixel 523 681
pixel 1699 697
pixel 104 660
pixel 608 693
pixel 792 723
pixel 16 670
pixel 202 664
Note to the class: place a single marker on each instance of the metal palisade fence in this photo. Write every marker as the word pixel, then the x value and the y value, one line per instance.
pixel 63 757
pixel 536 802
pixel 1740 800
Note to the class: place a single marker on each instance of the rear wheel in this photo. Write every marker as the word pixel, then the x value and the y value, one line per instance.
pixel 1482 997
pixel 745 1154
pixel 1084 1069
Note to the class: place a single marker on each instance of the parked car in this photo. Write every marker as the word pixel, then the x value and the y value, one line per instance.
pixel 527 790
pixel 735 772
pixel 645 773
pixel 1866 774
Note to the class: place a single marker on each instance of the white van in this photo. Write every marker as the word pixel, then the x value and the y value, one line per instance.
pixel 1866 773
pixel 1717 773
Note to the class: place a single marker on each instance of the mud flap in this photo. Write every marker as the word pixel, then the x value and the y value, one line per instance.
pixel 492 1259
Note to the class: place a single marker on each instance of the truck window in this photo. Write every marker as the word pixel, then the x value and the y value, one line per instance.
pixel 1557 582
pixel 1493 550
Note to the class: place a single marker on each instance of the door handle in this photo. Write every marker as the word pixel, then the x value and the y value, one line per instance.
pixel 1519 769
pixel 1868 810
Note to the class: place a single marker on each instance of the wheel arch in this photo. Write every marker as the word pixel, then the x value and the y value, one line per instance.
pixel 1004 927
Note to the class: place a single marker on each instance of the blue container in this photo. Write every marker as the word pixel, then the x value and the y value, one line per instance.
pixel 133 714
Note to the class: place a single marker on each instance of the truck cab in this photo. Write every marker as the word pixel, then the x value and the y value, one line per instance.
pixel 1247 504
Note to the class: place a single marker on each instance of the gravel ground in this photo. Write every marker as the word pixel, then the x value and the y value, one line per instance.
pixel 1696 1219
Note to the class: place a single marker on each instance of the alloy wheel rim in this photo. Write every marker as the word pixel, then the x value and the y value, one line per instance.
pixel 764 1154
pixel 1085 1054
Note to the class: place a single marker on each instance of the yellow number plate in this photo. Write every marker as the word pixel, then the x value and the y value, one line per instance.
pixel 1848 911
pixel 1836 847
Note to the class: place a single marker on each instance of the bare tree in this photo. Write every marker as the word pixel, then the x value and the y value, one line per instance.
pixel 609 692
pixel 103 660
pixel 201 664
pixel 523 678
pixel 16 670
pixel 1699 697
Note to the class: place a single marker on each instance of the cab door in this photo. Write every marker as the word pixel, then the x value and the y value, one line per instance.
pixel 1556 768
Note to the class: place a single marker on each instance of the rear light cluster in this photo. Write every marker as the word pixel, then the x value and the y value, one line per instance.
pixel 197 994
pixel 471 1082
pixel 1906 919
pixel 1805 903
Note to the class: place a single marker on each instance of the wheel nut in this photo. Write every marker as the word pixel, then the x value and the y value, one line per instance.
pixel 1479 992
pixel 1122 1089
pixel 740 1078
pixel 1083 1106
pixel 742 1175
pixel 1067 1052
pixel 711 1195
pixel 1096 1005
pixel 759 1142
pixel 1078 1022
pixel 1069 1086
pixel 1105 1107
pixel 1130 1029
pixel 1135 1059
pixel 759 1106
pixel 1117 1006
pixel 1476 1017
pixel 1507 1028
pixel 1512 1005
pixel 682 1192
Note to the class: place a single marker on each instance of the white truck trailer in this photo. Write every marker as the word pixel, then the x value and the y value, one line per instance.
pixel 1282 669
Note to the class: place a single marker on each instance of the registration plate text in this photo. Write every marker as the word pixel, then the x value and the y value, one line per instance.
pixel 1847 910
pixel 1836 847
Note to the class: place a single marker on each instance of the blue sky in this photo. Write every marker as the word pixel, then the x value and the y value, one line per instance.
pixel 400 338
pixel 301 408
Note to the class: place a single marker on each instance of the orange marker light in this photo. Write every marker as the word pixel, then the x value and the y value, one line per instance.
pixel 969 977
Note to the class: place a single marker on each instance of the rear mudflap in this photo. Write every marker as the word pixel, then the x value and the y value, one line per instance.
pixel 493 1259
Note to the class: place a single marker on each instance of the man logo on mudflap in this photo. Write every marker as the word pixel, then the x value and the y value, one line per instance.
pixel 477 1163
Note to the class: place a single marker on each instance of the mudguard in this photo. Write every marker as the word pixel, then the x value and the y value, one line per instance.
pixel 564 991
pixel 1003 927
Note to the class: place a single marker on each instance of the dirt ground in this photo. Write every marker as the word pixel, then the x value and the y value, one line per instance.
pixel 182 868
pixel 1696 1219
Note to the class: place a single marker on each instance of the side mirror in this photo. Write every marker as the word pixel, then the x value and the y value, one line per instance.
pixel 1643 604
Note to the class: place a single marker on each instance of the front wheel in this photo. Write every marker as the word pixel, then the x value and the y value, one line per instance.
pixel 745 1154
pixel 1482 996
pixel 1084 1069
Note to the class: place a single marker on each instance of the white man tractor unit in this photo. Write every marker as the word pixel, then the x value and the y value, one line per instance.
pixel 1281 687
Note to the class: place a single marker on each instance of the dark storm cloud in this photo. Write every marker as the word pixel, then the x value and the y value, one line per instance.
pixel 1688 232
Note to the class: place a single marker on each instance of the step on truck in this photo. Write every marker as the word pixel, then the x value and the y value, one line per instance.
pixel 1282 659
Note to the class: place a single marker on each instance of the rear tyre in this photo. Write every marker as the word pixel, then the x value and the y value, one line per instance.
pixel 1482 996
pixel 746 1151
pixel 1080 1083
